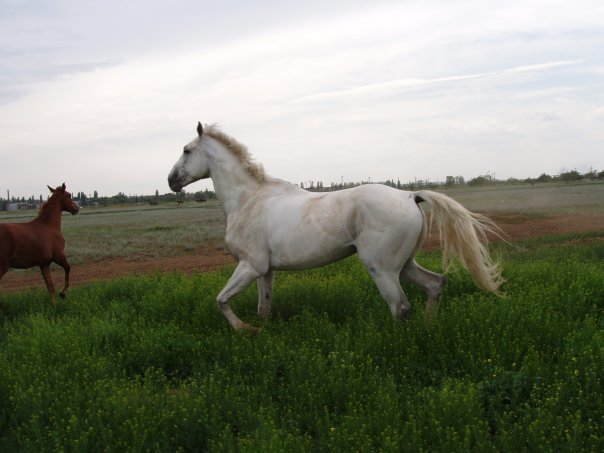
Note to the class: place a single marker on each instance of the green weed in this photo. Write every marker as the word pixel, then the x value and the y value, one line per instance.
pixel 149 363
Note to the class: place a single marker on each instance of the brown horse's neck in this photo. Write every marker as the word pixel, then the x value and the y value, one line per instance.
pixel 50 213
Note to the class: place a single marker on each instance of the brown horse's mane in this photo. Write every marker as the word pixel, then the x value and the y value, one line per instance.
pixel 45 209
pixel 239 150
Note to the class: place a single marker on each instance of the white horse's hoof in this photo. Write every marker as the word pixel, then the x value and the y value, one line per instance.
pixel 251 330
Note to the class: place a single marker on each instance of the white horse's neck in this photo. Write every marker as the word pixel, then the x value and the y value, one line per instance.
pixel 232 183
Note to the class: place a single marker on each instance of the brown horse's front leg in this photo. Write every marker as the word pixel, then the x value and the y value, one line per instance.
pixel 45 268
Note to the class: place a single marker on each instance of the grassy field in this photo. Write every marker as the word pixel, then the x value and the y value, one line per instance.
pixel 140 232
pixel 546 198
pixel 149 363
pixel 137 232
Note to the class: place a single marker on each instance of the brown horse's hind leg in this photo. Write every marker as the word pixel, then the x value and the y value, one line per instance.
pixel 45 268
pixel 67 268
pixel 64 290
pixel 3 270
pixel 62 261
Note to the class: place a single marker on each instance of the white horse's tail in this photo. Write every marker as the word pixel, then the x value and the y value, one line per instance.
pixel 463 236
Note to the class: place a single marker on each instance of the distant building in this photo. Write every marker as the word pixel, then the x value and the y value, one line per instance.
pixel 20 206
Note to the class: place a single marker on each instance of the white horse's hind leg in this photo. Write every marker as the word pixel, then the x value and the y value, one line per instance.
pixel 431 282
pixel 243 276
pixel 390 289
pixel 265 293
pixel 384 255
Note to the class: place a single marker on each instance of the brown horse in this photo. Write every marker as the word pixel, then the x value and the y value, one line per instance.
pixel 39 242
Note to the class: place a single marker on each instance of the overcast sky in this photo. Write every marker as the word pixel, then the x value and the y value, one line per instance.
pixel 104 94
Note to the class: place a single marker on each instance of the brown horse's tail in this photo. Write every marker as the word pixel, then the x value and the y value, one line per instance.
pixel 463 236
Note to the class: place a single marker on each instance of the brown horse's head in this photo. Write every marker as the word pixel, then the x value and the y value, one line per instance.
pixel 64 199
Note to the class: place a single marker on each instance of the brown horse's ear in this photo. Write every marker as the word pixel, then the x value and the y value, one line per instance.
pixel 51 189
pixel 199 129
pixel 63 186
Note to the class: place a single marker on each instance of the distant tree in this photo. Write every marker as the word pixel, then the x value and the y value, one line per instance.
pixel 478 181
pixel 450 181
pixel 119 198
pixel 591 174
pixel 544 178
pixel 572 175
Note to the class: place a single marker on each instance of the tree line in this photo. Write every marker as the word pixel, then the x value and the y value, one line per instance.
pixel 312 186
pixel 452 181
pixel 119 199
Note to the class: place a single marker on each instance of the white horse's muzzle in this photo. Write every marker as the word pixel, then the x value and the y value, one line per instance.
pixel 175 180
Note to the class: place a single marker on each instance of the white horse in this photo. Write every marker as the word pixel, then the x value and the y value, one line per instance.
pixel 274 225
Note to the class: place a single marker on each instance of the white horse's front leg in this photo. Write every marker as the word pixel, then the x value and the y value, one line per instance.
pixel 265 293
pixel 243 276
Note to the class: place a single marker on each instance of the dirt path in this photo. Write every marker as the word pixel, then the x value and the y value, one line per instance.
pixel 516 226
pixel 83 273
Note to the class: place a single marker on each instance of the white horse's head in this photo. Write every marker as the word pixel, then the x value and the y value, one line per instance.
pixel 192 165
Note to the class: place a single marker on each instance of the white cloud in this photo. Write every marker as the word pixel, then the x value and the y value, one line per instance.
pixel 394 86
pixel 599 112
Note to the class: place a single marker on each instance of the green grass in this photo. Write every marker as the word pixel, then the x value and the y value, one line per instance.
pixel 142 232
pixel 583 197
pixel 147 232
pixel 136 233
pixel 149 363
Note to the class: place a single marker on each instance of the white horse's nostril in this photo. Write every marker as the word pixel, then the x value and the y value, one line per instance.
pixel 173 181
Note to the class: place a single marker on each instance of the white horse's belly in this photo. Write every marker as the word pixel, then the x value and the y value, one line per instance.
pixel 304 256
pixel 310 233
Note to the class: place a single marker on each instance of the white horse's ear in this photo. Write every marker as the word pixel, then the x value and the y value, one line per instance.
pixel 199 129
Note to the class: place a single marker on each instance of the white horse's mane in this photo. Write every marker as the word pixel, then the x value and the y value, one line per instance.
pixel 239 150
